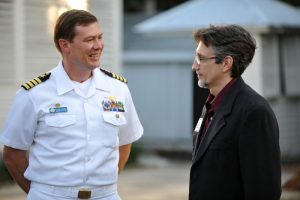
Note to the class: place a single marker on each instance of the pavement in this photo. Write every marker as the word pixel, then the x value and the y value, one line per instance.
pixel 154 178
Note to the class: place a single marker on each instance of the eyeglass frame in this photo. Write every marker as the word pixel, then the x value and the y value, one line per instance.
pixel 198 58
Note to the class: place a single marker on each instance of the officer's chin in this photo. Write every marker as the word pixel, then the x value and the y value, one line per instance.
pixel 94 64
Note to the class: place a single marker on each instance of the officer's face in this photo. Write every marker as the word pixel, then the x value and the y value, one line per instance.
pixel 87 46
pixel 208 72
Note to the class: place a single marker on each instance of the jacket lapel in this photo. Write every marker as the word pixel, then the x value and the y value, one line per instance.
pixel 216 125
pixel 219 120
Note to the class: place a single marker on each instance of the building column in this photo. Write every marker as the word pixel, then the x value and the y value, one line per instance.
pixel 19 41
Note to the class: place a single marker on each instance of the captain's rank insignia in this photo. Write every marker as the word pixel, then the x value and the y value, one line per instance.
pixel 34 82
pixel 113 75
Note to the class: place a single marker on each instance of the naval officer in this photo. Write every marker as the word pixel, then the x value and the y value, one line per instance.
pixel 70 130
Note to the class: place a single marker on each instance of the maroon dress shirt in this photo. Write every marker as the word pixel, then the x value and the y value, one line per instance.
pixel 212 104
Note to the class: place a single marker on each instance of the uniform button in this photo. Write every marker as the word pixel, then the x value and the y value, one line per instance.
pixel 117 116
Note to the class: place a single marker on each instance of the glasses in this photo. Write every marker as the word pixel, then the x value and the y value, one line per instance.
pixel 200 59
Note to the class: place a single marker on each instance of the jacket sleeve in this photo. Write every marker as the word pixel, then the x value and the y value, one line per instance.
pixel 259 155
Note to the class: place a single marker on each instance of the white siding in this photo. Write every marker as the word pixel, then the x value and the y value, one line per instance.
pixel 109 14
pixel 252 74
pixel 26 36
pixel 161 86
pixel 7 94
pixel 288 115
pixel 6 42
pixel 291 64
pixel 7 87
pixel 40 52
pixel 270 66
pixel 26 45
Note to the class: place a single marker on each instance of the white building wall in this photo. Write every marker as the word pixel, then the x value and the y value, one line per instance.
pixel 253 73
pixel 161 86
pixel 287 104
pixel 288 115
pixel 110 17
pixel 6 45
pixel 40 54
pixel 7 57
pixel 270 56
pixel 26 39
pixel 274 73
pixel 291 63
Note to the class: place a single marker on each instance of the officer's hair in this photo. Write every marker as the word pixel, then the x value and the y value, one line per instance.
pixel 66 23
pixel 229 40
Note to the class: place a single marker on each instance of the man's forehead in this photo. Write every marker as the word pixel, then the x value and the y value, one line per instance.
pixel 88 25
pixel 201 47
pixel 88 29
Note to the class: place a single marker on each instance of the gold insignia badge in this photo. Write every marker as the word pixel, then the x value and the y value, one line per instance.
pixel 34 82
pixel 113 75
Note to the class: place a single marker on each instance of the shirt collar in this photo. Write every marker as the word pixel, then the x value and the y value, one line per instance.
pixel 63 82
pixel 101 81
pixel 213 102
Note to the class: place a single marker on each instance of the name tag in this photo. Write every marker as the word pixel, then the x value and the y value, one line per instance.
pixel 58 110
pixel 198 126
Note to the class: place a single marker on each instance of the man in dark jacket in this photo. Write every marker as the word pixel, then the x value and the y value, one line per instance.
pixel 236 153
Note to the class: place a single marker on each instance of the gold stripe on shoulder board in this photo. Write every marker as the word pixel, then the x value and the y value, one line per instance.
pixel 34 82
pixel 113 75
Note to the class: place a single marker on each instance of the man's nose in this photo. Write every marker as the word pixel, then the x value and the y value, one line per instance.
pixel 195 65
pixel 98 44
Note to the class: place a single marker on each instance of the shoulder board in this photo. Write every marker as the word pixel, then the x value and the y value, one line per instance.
pixel 30 84
pixel 113 75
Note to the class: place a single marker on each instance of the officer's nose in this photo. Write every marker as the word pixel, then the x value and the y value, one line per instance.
pixel 98 44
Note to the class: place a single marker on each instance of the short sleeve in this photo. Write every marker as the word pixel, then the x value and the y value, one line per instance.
pixel 21 122
pixel 133 129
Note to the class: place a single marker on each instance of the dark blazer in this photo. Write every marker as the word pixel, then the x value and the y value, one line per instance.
pixel 239 157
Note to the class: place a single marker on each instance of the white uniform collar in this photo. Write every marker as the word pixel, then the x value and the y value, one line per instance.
pixel 101 80
pixel 64 83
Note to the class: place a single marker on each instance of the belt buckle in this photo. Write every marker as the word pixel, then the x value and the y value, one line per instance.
pixel 84 193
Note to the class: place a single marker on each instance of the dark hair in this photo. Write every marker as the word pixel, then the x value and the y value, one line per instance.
pixel 66 23
pixel 229 40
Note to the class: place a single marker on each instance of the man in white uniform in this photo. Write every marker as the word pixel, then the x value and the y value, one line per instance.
pixel 76 122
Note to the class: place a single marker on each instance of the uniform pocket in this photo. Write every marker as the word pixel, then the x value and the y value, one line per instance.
pixel 112 123
pixel 114 118
pixel 60 120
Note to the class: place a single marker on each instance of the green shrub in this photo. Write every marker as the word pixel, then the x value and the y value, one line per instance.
pixel 134 154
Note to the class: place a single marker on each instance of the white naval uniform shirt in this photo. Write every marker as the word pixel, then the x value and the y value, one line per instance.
pixel 77 144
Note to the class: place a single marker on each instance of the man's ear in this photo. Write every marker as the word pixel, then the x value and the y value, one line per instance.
pixel 227 63
pixel 64 45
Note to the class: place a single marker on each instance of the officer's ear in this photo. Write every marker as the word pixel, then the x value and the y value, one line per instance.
pixel 64 45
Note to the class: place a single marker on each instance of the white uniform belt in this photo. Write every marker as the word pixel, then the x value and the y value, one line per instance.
pixel 80 192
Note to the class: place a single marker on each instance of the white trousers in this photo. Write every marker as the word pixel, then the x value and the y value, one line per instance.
pixel 47 192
